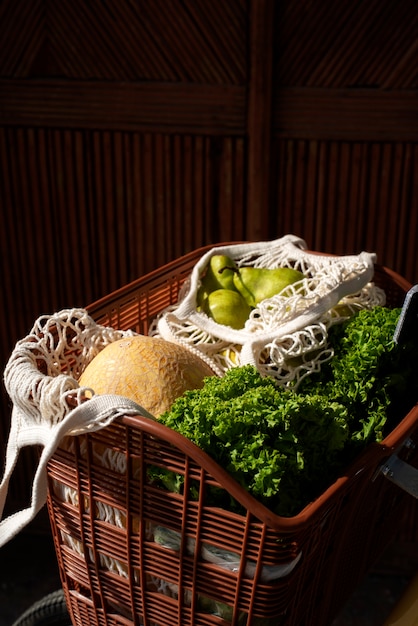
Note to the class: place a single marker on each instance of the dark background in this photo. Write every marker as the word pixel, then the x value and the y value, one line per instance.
pixel 132 132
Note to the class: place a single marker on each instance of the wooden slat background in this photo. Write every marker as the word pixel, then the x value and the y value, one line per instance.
pixel 133 132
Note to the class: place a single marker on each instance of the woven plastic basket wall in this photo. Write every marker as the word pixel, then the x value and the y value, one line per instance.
pixel 132 552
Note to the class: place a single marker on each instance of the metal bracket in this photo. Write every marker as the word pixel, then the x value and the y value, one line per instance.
pixel 402 474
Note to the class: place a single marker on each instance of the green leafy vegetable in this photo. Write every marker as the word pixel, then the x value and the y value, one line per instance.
pixel 375 378
pixel 284 446
pixel 277 444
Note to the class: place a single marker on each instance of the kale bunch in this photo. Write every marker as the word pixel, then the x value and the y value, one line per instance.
pixel 285 446
pixel 277 444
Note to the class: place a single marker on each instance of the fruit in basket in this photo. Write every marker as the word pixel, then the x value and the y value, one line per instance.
pixel 259 283
pixel 227 307
pixel 219 273
pixel 149 370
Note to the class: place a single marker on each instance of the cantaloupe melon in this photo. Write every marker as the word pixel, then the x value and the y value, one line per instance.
pixel 149 370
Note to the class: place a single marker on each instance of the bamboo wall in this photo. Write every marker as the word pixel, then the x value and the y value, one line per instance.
pixel 133 132
pixel 345 116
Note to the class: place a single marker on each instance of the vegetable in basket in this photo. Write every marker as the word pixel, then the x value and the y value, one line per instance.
pixel 286 447
pixel 372 375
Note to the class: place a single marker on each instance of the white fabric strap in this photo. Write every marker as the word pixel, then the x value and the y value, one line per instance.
pixel 91 415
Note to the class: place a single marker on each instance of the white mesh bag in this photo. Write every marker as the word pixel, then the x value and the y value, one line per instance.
pixel 286 335
pixel 41 380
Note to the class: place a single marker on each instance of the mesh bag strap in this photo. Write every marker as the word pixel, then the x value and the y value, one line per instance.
pixel 40 378
pixel 91 415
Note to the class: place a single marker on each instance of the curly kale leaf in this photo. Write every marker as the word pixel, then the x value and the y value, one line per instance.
pixel 370 374
pixel 276 444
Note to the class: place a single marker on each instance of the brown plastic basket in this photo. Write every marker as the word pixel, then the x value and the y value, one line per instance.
pixel 168 559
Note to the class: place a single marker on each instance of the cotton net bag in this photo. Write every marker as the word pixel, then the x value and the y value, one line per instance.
pixel 285 336
pixel 47 402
